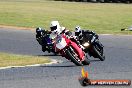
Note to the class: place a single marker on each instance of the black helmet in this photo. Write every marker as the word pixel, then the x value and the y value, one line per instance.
pixel 39 31
pixel 77 30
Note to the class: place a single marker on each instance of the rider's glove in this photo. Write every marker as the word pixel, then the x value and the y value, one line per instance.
pixel 82 47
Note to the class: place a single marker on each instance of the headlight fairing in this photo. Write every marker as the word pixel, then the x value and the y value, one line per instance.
pixel 86 44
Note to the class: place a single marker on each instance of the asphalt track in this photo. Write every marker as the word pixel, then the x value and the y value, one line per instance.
pixel 118 63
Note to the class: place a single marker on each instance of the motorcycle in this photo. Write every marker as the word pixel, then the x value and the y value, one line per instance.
pixel 46 42
pixel 93 46
pixel 70 50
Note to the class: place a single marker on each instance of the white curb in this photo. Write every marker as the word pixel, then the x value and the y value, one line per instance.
pixel 34 65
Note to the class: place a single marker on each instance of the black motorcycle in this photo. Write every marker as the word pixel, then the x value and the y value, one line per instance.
pixel 45 41
pixel 93 46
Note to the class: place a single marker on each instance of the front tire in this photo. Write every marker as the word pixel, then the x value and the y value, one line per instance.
pixel 100 55
pixel 43 48
pixel 72 58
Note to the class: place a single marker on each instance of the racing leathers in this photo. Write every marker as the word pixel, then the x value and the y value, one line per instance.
pixel 84 32
pixel 81 34
pixel 40 38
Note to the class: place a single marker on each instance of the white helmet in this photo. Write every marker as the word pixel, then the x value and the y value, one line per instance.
pixel 55 27
pixel 77 29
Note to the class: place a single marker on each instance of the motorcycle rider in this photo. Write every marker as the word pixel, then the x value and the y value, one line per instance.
pixel 56 29
pixel 80 32
pixel 40 33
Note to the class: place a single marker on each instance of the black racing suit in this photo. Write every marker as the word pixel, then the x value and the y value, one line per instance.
pixel 41 40
pixel 39 36
pixel 81 34
pixel 66 32
pixel 84 33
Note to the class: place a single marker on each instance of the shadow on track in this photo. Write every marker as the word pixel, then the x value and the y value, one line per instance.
pixel 61 65
pixel 91 60
pixel 57 66
pixel 94 60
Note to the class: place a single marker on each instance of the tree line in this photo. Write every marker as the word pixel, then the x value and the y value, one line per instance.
pixel 101 1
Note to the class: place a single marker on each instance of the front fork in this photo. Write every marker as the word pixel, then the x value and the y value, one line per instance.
pixel 71 50
pixel 99 45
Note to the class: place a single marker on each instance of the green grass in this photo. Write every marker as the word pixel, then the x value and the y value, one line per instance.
pixel 99 17
pixel 20 60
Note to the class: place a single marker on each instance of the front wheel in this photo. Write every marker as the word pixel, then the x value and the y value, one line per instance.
pixel 43 48
pixel 73 58
pixel 99 53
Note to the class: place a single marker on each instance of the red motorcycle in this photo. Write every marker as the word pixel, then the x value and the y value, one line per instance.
pixel 70 50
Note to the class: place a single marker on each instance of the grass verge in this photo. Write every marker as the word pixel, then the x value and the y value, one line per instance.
pixel 99 17
pixel 20 60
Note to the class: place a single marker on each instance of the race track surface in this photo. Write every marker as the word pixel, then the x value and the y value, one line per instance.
pixel 118 63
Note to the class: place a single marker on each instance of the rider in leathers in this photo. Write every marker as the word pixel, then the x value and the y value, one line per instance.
pixel 57 30
pixel 40 34
pixel 80 32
